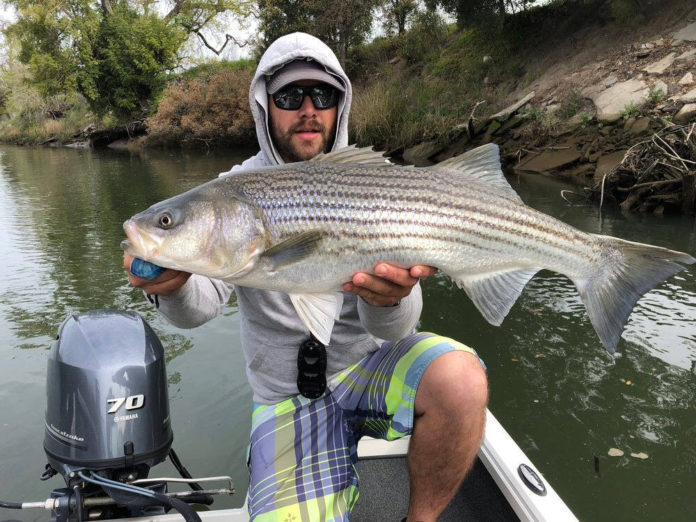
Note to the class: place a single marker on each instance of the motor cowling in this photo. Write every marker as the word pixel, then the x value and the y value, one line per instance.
pixel 107 406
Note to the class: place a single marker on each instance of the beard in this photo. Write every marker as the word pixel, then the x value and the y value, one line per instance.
pixel 296 150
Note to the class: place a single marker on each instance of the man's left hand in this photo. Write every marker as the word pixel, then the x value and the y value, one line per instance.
pixel 388 285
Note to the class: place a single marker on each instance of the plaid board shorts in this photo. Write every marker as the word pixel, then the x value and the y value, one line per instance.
pixel 303 455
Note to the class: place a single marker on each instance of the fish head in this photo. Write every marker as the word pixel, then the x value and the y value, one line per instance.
pixel 199 232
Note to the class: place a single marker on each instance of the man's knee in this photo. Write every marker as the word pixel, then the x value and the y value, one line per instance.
pixel 455 383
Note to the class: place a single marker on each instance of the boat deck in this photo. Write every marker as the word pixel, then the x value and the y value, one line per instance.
pixel 384 494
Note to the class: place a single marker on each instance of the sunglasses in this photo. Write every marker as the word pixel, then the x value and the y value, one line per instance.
pixel 311 368
pixel 292 97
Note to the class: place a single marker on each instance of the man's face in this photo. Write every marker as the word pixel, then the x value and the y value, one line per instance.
pixel 302 134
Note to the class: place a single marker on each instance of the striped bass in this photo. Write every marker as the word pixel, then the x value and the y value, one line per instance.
pixel 306 228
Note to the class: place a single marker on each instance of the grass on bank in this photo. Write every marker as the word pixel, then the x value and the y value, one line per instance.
pixel 33 120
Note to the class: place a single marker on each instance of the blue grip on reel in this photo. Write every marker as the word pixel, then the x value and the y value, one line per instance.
pixel 145 269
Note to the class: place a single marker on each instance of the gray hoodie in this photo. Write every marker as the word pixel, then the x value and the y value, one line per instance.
pixel 271 331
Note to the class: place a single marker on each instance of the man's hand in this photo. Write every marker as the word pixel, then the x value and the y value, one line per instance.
pixel 168 282
pixel 389 285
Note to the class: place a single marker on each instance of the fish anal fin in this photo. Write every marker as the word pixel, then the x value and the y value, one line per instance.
pixel 318 312
pixel 494 293
pixel 293 249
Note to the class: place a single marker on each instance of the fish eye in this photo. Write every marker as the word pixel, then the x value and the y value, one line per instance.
pixel 166 220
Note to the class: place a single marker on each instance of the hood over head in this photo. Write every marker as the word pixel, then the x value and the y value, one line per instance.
pixel 301 70
pixel 290 48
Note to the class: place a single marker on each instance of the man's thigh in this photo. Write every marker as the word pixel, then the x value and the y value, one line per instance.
pixel 302 462
pixel 378 394
pixel 303 453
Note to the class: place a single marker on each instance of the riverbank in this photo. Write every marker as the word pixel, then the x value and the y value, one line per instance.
pixel 614 112
pixel 603 100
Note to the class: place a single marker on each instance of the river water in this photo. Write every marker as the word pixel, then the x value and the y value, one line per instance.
pixel 553 387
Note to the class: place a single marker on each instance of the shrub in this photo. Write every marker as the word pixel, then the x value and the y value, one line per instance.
pixel 427 33
pixel 656 96
pixel 625 11
pixel 204 110
pixel 631 110
pixel 33 119
pixel 571 105
pixel 388 113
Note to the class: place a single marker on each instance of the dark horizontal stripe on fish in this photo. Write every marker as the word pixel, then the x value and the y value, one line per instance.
pixel 411 235
pixel 479 233
pixel 515 229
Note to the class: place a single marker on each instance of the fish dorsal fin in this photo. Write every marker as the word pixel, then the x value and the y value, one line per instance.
pixel 292 250
pixel 483 164
pixel 352 154
pixel 495 293
pixel 318 312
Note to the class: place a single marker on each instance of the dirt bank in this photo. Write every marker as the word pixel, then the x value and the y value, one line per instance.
pixel 613 110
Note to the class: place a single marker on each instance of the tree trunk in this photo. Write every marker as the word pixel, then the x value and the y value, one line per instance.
pixel 106 7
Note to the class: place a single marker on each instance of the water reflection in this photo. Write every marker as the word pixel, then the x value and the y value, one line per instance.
pixel 566 400
pixel 61 215
pixel 562 397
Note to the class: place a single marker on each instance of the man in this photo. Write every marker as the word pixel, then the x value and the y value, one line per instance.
pixel 313 403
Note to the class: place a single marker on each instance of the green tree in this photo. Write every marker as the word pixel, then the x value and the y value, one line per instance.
pixel 114 52
pixel 343 24
pixel 340 25
pixel 280 17
pixel 469 12
pixel 130 59
pixel 397 14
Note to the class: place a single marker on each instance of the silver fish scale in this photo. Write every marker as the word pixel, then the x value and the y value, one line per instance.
pixel 406 216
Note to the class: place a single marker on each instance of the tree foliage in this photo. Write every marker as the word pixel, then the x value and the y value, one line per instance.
pixel 132 54
pixel 340 25
pixel 114 52
pixel 470 12
pixel 397 14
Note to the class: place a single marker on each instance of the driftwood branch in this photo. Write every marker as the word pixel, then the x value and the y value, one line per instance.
pixel 648 184
pixel 470 127
pixel 656 175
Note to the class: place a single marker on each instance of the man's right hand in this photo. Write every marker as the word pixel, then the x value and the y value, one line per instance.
pixel 168 282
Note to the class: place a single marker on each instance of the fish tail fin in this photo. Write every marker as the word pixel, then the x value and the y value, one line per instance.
pixel 629 270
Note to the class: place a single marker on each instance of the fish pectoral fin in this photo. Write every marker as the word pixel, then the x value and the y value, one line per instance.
pixel 293 249
pixel 318 312
pixel 495 293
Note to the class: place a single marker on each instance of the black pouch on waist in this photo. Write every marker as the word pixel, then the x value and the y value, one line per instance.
pixel 311 368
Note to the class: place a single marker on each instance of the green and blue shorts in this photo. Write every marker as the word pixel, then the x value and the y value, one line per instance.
pixel 303 455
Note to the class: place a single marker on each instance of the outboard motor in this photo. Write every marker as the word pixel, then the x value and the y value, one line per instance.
pixel 107 423
pixel 107 405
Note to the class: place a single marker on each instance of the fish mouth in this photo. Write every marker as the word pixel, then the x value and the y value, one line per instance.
pixel 140 243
